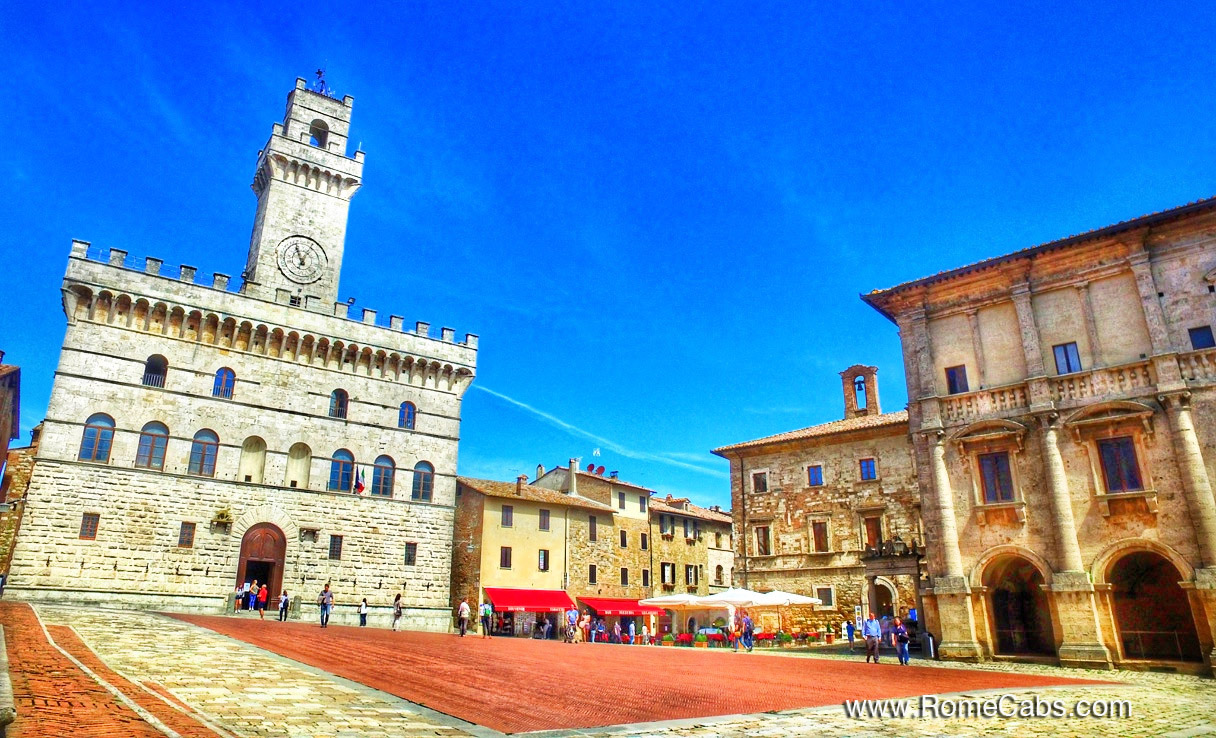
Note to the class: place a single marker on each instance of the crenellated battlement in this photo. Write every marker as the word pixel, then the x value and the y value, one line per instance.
pixel 221 282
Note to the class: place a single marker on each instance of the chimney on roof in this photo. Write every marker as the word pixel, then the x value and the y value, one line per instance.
pixel 520 481
pixel 1 357
pixel 572 483
pixel 540 470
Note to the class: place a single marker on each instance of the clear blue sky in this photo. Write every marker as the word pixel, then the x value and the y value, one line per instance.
pixel 657 218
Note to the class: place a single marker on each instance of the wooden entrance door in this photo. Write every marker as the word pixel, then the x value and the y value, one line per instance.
pixel 263 550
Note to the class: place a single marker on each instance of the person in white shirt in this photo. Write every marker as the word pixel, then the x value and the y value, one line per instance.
pixel 363 613
pixel 462 617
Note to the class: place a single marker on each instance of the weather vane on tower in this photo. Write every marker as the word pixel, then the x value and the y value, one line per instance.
pixel 321 86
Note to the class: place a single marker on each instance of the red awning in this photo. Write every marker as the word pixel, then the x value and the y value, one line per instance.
pixel 529 600
pixel 611 606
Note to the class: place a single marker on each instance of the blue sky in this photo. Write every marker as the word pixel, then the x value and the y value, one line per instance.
pixel 657 217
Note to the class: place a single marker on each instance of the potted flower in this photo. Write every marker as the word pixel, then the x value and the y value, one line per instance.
pixel 716 639
pixel 829 636
pixel 785 639
pixel 668 640
pixel 684 639
pixel 700 641
pixel 814 635
pixel 764 639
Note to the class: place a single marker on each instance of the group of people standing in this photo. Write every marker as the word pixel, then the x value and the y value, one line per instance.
pixel 254 596
pixel 872 633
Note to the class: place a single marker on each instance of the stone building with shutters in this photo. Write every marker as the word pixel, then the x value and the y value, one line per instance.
pixel 810 505
pixel 1062 412
pixel 205 432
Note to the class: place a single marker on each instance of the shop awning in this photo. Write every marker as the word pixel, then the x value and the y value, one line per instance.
pixel 529 600
pixel 612 606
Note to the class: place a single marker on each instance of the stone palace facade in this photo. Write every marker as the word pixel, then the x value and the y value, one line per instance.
pixel 200 436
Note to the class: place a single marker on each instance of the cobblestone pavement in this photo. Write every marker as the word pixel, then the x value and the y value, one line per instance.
pixel 234 689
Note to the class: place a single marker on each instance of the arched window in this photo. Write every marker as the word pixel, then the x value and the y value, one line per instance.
pixel 318 134
pixel 341 471
pixel 382 476
pixel 225 380
pixel 299 465
pixel 719 575
pixel 98 436
pixel 406 418
pixel 253 460
pixel 203 451
pixel 338 401
pixel 424 477
pixel 153 439
pixel 155 370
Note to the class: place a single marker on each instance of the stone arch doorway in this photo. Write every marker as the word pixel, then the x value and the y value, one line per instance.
pixel 1021 616
pixel 878 596
pixel 263 551
pixel 1152 612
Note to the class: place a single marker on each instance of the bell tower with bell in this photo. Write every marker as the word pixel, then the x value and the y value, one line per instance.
pixel 304 182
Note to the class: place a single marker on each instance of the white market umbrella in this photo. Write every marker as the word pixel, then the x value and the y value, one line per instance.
pixel 673 601
pixel 777 598
pixel 734 598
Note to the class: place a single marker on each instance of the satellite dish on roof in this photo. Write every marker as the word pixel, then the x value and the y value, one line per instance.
pixel 599 471
pixel 590 468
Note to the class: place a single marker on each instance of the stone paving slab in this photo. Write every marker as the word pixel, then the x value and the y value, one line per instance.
pixel 250 692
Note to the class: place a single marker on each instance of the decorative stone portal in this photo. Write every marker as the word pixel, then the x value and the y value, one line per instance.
pixel 1152 613
pixel 1021 616
pixel 263 551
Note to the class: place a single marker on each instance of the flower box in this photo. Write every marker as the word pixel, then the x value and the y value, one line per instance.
pixel 684 639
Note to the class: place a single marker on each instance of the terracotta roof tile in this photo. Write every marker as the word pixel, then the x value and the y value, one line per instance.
pixel 691 511
pixel 528 492
pixel 825 429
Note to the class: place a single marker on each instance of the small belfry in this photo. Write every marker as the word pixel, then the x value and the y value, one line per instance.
pixel 304 181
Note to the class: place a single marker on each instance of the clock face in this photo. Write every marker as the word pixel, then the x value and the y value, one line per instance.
pixel 301 259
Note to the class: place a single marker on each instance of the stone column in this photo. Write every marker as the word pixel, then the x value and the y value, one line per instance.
pixel 1076 606
pixel 977 345
pixel 1029 329
pixel 1169 375
pixel 950 588
pixel 1197 488
pixel 1091 326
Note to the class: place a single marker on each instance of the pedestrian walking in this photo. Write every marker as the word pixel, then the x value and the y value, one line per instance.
pixel 572 626
pixel 645 635
pixel 485 611
pixel 397 611
pixel 263 596
pixel 237 597
pixel 850 629
pixel 633 632
pixel 899 634
pixel 284 601
pixel 363 613
pixel 326 601
pixel 749 632
pixel 871 630
pixel 462 616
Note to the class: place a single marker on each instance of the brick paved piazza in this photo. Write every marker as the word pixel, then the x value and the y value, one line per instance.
pixel 124 673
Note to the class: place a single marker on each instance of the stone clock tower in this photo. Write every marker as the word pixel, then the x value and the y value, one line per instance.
pixel 304 182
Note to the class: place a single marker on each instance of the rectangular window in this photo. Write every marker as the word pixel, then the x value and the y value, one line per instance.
pixel 826 596
pixel 1119 468
pixel 814 476
pixel 666 524
pixel 624 540
pixel 762 542
pixel 995 477
pixel 819 532
pixel 620 500
pixel 1068 360
pixel 956 379
pixel 508 516
pixel 717 540
pixel 690 574
pixel 645 577
pixel 645 541
pixel 869 469
pixel 760 482
pixel 1201 337
pixel 543 559
pixel 591 574
pixel 88 525
pixel 335 547
pixel 687 528
pixel 185 536
pixel 624 576
pixel 873 531
pixel 591 536
pixel 504 557
pixel 642 503
pixel 544 520
pixel 411 553
pixel 668 572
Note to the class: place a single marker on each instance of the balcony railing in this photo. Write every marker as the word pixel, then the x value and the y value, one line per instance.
pixel 1198 365
pixel 1115 380
pixel 995 401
